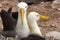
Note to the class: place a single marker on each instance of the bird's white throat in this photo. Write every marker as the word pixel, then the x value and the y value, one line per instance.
pixel 22 29
pixel 34 27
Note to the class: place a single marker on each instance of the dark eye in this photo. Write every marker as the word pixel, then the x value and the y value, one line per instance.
pixel 18 7
pixel 25 6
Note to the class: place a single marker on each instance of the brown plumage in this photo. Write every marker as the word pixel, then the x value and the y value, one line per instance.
pixel 9 24
pixel 8 21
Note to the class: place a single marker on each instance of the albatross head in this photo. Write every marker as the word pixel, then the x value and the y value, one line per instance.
pixel 35 16
pixel 22 6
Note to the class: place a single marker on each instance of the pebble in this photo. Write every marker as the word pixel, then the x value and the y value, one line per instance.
pixel 52 25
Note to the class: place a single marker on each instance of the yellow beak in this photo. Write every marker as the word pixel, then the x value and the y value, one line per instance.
pixel 44 18
pixel 22 14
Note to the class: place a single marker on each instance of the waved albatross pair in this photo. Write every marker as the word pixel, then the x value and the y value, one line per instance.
pixel 24 30
pixel 30 29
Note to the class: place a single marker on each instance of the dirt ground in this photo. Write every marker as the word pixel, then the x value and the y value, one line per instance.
pixel 53 24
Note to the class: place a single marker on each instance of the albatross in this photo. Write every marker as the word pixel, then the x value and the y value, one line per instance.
pixel 32 19
pixel 35 33
pixel 22 28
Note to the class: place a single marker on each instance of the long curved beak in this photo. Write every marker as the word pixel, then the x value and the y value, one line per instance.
pixel 44 18
pixel 22 14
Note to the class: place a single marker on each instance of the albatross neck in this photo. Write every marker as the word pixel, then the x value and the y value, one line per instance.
pixel 34 27
pixel 19 17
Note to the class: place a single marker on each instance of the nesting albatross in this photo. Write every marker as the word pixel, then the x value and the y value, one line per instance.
pixel 35 33
pixel 23 30
pixel 22 27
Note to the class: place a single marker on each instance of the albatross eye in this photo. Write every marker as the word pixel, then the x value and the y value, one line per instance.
pixel 25 6
pixel 37 15
pixel 18 7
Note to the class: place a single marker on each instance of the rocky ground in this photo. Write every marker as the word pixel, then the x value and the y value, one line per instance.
pixel 53 24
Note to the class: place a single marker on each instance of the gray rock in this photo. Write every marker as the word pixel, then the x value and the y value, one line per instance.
pixel 53 35
pixel 56 4
pixel 32 1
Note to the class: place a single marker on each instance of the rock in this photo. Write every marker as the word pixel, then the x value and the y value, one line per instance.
pixel 28 1
pixel 59 9
pixel 56 4
pixel 53 25
pixel 53 35
pixel 33 1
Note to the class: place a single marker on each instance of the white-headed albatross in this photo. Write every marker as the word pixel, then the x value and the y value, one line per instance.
pixel 33 17
pixel 35 33
pixel 22 28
